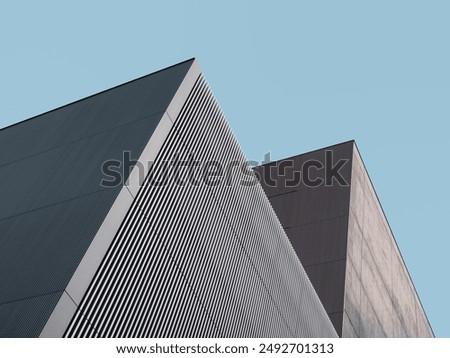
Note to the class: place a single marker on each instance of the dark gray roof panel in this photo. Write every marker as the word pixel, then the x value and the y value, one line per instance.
pixel 26 318
pixel 40 250
pixel 131 101
pixel 68 171
pixel 51 200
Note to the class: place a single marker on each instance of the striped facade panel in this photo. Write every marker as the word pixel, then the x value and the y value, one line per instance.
pixel 200 255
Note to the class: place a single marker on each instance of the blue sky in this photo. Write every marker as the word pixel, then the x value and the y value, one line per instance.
pixel 291 76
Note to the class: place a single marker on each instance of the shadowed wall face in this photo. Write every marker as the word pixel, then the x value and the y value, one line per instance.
pixel 343 240
pixel 315 219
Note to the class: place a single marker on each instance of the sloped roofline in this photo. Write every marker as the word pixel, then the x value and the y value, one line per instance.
pixel 72 295
pixel 96 94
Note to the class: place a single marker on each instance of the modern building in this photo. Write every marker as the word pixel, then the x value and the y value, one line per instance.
pixel 163 250
pixel 133 213
pixel 337 226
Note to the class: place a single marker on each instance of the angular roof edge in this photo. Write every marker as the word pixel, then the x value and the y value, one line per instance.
pixel 71 297
pixel 193 60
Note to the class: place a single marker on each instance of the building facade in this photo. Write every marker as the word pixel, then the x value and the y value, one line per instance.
pixel 342 237
pixel 162 250
pixel 133 213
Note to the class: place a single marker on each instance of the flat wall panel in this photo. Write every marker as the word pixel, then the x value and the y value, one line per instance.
pixel 287 175
pixel 312 205
pixel 39 250
pixel 320 242
pixel 26 318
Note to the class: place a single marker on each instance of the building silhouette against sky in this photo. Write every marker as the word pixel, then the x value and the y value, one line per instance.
pixel 133 213
pixel 345 243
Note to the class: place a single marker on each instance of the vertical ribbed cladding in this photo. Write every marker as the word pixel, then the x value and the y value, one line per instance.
pixel 198 260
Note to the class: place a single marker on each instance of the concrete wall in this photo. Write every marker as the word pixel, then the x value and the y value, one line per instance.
pixel 380 299
pixel 344 241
